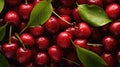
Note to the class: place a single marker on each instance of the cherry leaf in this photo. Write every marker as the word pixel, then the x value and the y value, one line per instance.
pixel 2 31
pixel 3 61
pixel 94 15
pixel 1 5
pixel 40 13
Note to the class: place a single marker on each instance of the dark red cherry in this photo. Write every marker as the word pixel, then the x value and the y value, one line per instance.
pixel 41 58
pixel 23 55
pixel 27 39
pixel 14 39
pixel 21 26
pixel 55 53
pixel 71 30
pixel 83 30
pixel 37 30
pixel 64 11
pixel 52 25
pixel 63 39
pixel 67 3
pixel 97 49
pixel 115 28
pixel 36 2
pixel 42 43
pixel 13 2
pixel 11 17
pixel 109 59
pixel 109 43
pixel 113 10
pixel 9 50
pixel 96 2
pixel 82 1
pixel 30 64
pixel 76 15
pixel 118 56
pixel 25 10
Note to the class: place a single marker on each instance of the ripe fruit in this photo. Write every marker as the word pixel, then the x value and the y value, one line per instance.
pixel 63 39
pixel 36 2
pixel 55 53
pixel 67 3
pixel 71 30
pixel 82 1
pixel 64 11
pixel 118 56
pixel 76 15
pixel 11 17
pixel 13 2
pixel 96 2
pixel 27 39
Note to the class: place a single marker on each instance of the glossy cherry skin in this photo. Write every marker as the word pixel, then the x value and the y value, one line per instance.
pixel 12 18
pixel 115 28
pixel 64 11
pixel 9 50
pixel 55 53
pixel 63 24
pixel 96 2
pixel 118 56
pixel 113 10
pixel 109 59
pixel 25 10
pixel 52 25
pixel 14 39
pixel 83 30
pixel 67 3
pixel 82 1
pixel 76 15
pixel 27 39
pixel 63 39
pixel 21 26
pixel 42 43
pixel 23 55
pixel 41 58
pixel 71 30
pixel 13 2
pixel 30 64
pixel 109 43
pixel 36 2
pixel 37 30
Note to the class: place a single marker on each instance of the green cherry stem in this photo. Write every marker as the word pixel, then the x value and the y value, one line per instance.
pixel 20 40
pixel 10 31
pixel 71 61
pixel 62 18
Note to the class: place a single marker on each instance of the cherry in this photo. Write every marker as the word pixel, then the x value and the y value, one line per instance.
pixel 30 64
pixel 113 10
pixel 82 1
pixel 36 2
pixel 115 28
pixel 9 50
pixel 63 39
pixel 41 58
pixel 21 26
pixel 76 15
pixel 14 39
pixel 55 53
pixel 37 31
pixel 43 43
pixel 12 18
pixel 109 43
pixel 83 30
pixel 53 64
pixel 13 2
pixel 96 2
pixel 71 30
pixel 63 24
pixel 64 11
pixel 97 49
pixel 27 39
pixel 25 10
pixel 23 55
pixel 118 56
pixel 109 59
pixel 52 25
pixel 67 3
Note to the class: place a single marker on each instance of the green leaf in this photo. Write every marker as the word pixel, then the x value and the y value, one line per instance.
pixel 40 13
pixel 1 5
pixel 2 31
pixel 93 15
pixel 3 61
pixel 89 58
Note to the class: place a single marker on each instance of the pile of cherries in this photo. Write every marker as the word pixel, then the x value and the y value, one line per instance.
pixel 49 45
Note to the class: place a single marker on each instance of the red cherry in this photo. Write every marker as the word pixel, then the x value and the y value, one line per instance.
pixel 109 59
pixel 55 53
pixel 109 43
pixel 36 2
pixel 118 56
pixel 64 11
pixel 21 26
pixel 71 30
pixel 30 64
pixel 27 39
pixel 41 58
pixel 9 50
pixel 83 30
pixel 14 39
pixel 76 15
pixel 53 64
pixel 52 25
pixel 23 55
pixel 97 49
pixel 63 39
pixel 13 2
pixel 67 3
pixel 113 10
pixel 82 1
pixel 43 43
pixel 12 18
pixel 25 10
pixel 96 2
pixel 115 28
pixel 37 31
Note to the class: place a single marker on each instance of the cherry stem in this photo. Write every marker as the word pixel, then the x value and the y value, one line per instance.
pixel 23 30
pixel 45 65
pixel 10 31
pixel 62 18
pixel 71 61
pixel 91 44
pixel 26 1
pixel 20 40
